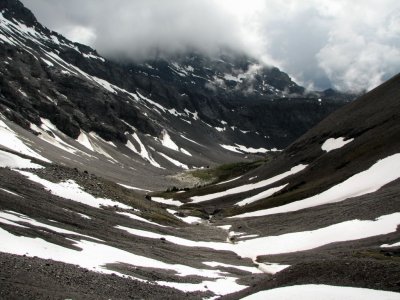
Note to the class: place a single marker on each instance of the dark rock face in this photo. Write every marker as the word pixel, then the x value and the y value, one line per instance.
pixel 46 76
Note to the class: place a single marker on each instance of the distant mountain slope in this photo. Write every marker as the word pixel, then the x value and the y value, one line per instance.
pixel 323 217
pixel 328 206
pixel 227 103
pixel 347 142
pixel 92 205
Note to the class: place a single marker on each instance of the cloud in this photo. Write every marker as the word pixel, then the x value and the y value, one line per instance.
pixel 349 45
pixel 140 29
pixel 363 48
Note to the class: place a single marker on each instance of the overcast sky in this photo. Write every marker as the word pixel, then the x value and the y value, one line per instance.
pixel 345 44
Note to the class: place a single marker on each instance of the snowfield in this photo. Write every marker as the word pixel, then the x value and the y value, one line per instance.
pixel 9 160
pixel 320 291
pixel 250 186
pixel 9 139
pixel 94 256
pixel 290 242
pixel 382 172
pixel 333 144
pixel 71 190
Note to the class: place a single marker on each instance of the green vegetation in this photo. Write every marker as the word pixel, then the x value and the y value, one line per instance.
pixel 383 254
pixel 205 178
pixel 227 171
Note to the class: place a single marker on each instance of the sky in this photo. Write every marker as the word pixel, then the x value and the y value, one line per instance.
pixel 349 45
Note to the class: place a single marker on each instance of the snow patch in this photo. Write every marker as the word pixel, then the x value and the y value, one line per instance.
pixel 271 268
pixel 71 190
pixel 166 201
pixel 9 139
pixel 391 245
pixel 9 192
pixel 250 186
pixel 84 141
pixel 243 268
pixel 187 219
pixel 132 187
pixel 137 218
pixel 174 161
pixel 9 160
pixel 243 149
pixel 261 195
pixel 166 141
pixel 320 291
pixel 335 143
pixel 381 173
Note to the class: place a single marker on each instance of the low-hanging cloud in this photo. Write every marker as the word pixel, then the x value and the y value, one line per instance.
pixel 348 45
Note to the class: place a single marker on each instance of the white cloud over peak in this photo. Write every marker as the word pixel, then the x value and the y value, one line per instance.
pixel 349 45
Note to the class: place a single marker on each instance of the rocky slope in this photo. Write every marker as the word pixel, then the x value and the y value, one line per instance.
pixel 76 163
pixel 71 233
pixel 232 101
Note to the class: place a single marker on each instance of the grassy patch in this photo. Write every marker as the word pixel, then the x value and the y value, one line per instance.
pixel 209 176
pixel 385 254
pixel 227 171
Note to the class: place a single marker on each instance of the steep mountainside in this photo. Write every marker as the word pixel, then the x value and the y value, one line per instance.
pixel 232 103
pixel 89 147
pixel 322 216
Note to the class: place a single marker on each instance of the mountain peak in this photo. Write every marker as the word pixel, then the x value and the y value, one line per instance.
pixel 14 9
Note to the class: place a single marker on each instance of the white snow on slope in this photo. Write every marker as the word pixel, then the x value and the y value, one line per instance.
pixel 243 268
pixel 9 139
pixel 135 217
pixel 84 140
pixel 261 195
pixel 11 193
pixel 129 187
pixel 21 32
pixel 382 172
pixel 144 153
pixel 333 144
pixel 250 186
pixel 187 219
pixel 243 149
pixel 306 240
pixel 194 142
pixel 94 256
pixel 272 268
pixel 290 242
pixel 97 147
pixel 320 291
pixel 391 245
pixel 230 180
pixel 157 105
pixel 17 217
pixel 53 139
pixel 231 148
pixel 92 56
pixel 105 254
pixel 166 201
pixel 184 151
pixel 105 84
pixel 220 286
pixel 71 190
pixel 14 161
pixel 49 63
pixel 174 161
pixel 167 142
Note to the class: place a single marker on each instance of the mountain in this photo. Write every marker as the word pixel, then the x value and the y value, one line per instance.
pixel 111 188
pixel 319 218
pixel 159 113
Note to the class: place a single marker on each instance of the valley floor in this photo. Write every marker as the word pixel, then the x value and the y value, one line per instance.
pixel 56 248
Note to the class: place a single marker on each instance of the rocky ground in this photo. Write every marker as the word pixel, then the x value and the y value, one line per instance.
pixel 357 263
